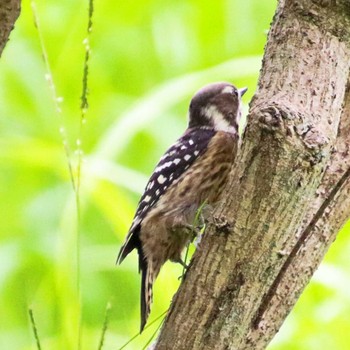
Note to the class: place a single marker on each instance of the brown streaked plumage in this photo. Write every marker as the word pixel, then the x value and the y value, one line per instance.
pixel 193 171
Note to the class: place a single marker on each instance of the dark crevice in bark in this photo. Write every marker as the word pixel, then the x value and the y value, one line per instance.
pixel 304 236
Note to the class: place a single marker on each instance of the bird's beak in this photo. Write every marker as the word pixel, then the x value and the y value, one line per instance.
pixel 242 91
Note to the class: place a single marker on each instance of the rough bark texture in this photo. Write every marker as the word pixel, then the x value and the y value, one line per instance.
pixel 288 193
pixel 9 12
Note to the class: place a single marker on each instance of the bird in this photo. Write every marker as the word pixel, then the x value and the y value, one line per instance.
pixel 192 171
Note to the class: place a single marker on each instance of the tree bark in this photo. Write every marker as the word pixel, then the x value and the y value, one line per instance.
pixel 288 194
pixel 9 12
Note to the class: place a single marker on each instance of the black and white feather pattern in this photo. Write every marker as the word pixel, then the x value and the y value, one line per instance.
pixel 177 159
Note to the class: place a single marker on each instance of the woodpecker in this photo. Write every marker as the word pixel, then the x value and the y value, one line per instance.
pixel 192 171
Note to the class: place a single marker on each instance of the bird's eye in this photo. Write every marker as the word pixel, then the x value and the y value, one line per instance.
pixel 235 92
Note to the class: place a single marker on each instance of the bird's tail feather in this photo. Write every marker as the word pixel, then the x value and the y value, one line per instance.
pixel 149 274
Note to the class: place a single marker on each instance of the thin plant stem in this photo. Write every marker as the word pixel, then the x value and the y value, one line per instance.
pixel 74 180
pixel 153 335
pixel 185 260
pixel 35 329
pixel 138 334
pixel 105 326
pixel 84 105
pixel 195 223
pixel 56 99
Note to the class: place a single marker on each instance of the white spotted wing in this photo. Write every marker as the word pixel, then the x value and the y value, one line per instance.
pixel 177 159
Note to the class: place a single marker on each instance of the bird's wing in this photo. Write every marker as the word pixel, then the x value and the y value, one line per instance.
pixel 176 160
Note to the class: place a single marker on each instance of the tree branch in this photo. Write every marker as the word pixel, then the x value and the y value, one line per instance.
pixel 9 12
pixel 288 194
pixel 324 224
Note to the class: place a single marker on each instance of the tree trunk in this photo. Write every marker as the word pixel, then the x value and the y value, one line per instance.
pixel 9 12
pixel 288 193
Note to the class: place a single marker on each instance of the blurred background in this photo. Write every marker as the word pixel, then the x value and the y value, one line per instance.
pixel 147 59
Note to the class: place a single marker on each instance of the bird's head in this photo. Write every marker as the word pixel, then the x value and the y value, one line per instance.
pixel 216 106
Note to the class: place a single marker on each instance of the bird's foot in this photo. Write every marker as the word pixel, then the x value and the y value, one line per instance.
pixel 195 231
pixel 183 264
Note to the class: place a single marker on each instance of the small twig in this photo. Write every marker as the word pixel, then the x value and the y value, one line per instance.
pixel 303 238
pixel 35 329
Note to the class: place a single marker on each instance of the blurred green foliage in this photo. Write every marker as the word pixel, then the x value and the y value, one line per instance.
pixel 148 57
